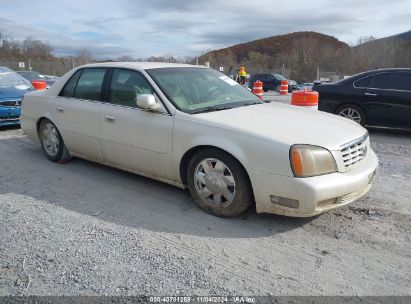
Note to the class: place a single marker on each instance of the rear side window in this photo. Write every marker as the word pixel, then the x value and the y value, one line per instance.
pixel 89 84
pixel 393 81
pixel 363 82
pixel 68 90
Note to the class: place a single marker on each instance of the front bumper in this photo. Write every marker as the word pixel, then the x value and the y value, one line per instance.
pixel 9 116
pixel 305 197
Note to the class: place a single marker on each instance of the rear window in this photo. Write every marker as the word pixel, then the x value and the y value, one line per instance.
pixel 363 82
pixel 68 90
pixel 85 84
pixel 89 84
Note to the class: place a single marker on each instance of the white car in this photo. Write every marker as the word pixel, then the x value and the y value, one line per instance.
pixel 196 128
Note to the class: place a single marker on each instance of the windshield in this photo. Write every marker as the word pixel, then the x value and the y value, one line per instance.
pixel 194 90
pixel 10 79
pixel 279 77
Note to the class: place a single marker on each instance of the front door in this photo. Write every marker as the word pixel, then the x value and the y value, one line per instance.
pixel 132 138
pixel 389 99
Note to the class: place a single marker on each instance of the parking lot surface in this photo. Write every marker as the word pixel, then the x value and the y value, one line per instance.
pixel 83 228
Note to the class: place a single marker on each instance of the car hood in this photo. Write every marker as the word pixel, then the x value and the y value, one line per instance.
pixel 287 124
pixel 15 92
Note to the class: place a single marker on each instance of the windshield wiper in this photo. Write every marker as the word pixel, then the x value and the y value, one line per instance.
pixel 251 103
pixel 210 109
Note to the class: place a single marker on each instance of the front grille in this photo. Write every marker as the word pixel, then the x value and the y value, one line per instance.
pixel 9 118
pixel 353 152
pixel 10 103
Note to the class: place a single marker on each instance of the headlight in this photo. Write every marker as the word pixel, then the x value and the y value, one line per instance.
pixel 309 161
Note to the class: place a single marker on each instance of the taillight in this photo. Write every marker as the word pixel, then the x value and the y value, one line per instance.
pixel 39 85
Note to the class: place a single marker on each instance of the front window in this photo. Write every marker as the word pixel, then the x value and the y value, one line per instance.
pixel 195 90
pixel 393 81
pixel 126 86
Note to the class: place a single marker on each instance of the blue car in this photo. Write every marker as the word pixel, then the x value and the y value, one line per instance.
pixel 12 89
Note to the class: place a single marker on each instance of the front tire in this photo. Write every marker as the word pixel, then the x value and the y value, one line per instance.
pixel 52 143
pixel 352 112
pixel 218 183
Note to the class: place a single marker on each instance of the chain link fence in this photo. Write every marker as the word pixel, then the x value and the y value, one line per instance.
pixel 286 72
pixel 56 67
pixel 62 65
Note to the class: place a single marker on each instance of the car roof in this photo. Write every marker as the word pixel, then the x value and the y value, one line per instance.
pixel 371 72
pixel 142 65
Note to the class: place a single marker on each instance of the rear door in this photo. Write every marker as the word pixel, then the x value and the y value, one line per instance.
pixel 77 112
pixel 132 138
pixel 389 93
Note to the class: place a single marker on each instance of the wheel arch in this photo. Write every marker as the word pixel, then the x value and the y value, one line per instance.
pixel 193 150
pixel 48 117
pixel 38 122
pixel 348 103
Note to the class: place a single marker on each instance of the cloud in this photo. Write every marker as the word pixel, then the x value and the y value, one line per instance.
pixel 179 27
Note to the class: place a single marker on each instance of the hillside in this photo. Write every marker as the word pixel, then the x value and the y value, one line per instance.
pixel 301 55
pixel 392 51
pixel 276 45
pixel 402 38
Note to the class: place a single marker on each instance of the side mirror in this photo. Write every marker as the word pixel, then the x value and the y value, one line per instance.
pixel 148 102
pixel 317 82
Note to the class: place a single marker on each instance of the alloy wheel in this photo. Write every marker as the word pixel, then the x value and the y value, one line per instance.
pixel 50 139
pixel 214 182
pixel 351 113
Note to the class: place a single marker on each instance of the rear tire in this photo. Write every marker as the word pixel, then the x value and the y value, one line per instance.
pixel 52 143
pixel 353 112
pixel 218 183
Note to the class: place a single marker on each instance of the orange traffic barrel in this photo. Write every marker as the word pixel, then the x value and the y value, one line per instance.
pixel 258 89
pixel 305 98
pixel 284 87
pixel 39 85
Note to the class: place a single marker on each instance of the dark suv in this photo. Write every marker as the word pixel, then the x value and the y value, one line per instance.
pixel 379 98
pixel 272 82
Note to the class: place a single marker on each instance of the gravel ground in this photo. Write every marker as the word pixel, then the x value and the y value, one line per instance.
pixel 82 228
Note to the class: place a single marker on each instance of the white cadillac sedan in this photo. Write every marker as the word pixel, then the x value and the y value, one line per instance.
pixel 195 128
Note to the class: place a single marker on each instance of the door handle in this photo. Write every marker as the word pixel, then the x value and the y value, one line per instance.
pixel 370 94
pixel 60 109
pixel 109 118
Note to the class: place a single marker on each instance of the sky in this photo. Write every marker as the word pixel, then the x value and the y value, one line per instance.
pixel 113 28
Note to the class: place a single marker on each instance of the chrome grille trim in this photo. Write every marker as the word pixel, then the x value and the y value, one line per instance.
pixel 11 103
pixel 353 152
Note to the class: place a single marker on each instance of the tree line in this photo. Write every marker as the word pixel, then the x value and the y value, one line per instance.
pixel 304 57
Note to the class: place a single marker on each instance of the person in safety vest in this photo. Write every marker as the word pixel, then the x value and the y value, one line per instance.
pixel 243 73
